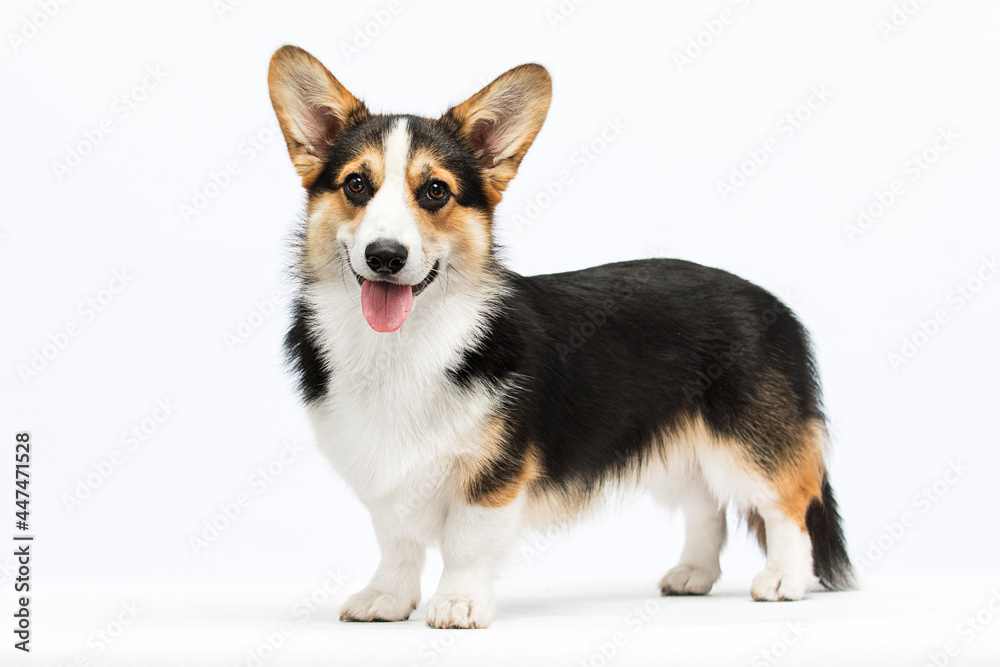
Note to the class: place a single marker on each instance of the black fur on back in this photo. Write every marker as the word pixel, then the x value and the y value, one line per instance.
pixel 605 359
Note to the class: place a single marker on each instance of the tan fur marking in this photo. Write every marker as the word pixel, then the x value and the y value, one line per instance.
pixel 799 482
pixel 330 210
pixel 492 448
pixel 327 213
pixel 796 484
pixel 465 234
pixel 756 525
pixel 425 166
pixel 370 162
pixel 530 471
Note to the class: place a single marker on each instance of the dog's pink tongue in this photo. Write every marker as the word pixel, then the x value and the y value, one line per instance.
pixel 385 305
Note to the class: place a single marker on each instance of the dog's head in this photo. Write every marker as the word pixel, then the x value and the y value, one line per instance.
pixel 394 200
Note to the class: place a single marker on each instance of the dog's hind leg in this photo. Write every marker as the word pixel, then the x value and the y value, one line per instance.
pixel 704 536
pixel 773 484
pixel 791 486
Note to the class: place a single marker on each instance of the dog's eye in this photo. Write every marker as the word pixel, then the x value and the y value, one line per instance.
pixel 355 183
pixel 437 190
pixel 357 189
pixel 435 195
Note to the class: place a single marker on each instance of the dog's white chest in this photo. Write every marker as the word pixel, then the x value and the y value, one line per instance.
pixel 378 439
pixel 391 417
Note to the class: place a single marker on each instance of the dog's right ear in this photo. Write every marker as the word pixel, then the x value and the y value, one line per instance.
pixel 312 108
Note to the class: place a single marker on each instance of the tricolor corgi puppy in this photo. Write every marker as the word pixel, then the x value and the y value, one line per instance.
pixel 463 402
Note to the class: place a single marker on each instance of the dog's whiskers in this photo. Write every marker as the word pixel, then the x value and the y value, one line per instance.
pixel 343 275
pixel 447 283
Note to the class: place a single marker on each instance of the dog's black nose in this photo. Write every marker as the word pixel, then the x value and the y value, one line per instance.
pixel 385 256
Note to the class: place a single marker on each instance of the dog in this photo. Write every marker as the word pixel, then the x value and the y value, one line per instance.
pixel 463 402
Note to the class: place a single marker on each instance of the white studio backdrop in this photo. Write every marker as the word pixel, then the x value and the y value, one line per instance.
pixel 841 154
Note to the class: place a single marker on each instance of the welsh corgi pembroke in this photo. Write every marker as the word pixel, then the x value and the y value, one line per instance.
pixel 463 402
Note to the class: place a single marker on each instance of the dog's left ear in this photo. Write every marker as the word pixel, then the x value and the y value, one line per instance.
pixel 500 122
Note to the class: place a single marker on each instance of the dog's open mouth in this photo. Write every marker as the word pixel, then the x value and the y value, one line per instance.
pixel 418 288
pixel 386 305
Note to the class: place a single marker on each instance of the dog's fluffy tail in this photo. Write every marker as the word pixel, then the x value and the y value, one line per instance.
pixel 830 561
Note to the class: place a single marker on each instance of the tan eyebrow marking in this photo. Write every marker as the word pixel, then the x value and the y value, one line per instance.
pixel 424 167
pixel 369 162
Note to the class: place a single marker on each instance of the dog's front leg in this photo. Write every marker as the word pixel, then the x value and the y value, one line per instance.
pixel 474 543
pixel 394 589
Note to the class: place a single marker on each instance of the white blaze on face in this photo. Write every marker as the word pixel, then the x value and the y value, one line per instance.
pixel 388 216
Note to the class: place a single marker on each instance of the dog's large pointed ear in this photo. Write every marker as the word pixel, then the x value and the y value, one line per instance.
pixel 500 122
pixel 312 108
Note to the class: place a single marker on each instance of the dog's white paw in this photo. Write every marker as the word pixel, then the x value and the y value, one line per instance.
pixel 371 605
pixel 688 580
pixel 458 611
pixel 780 585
